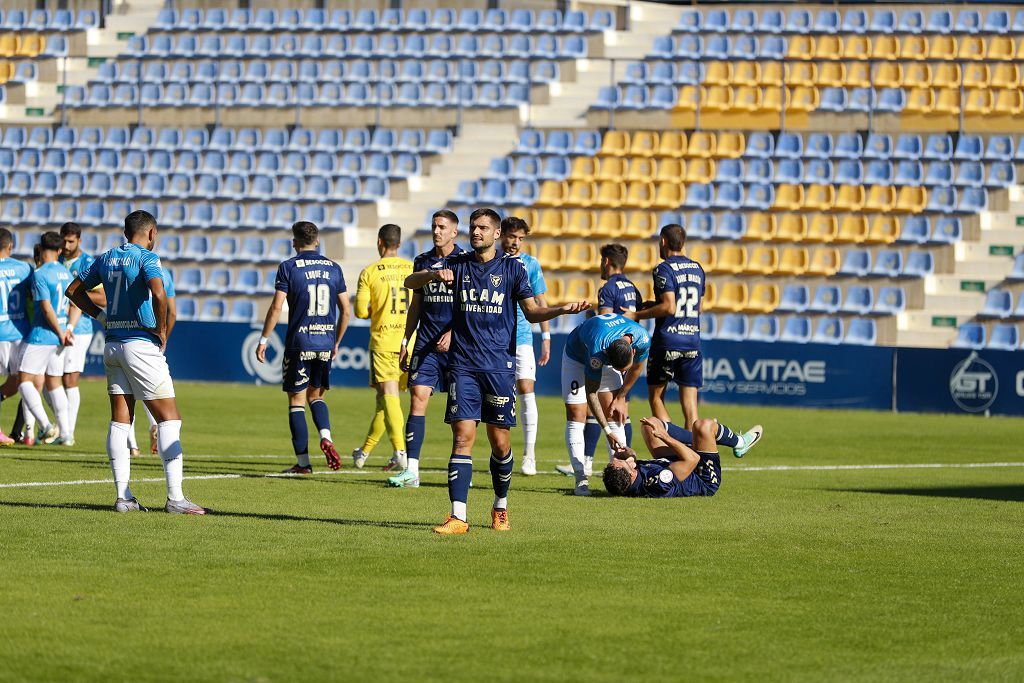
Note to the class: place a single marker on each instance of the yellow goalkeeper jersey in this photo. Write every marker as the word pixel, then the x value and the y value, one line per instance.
pixel 383 298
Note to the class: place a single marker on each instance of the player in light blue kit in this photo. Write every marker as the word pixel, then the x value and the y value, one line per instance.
pixel 135 320
pixel 602 361
pixel 15 281
pixel 76 260
pixel 172 318
pixel 513 234
pixel 51 334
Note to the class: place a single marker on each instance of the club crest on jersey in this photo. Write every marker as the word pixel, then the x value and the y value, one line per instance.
pixel 454 409
pixel 496 281
pixel 596 363
pixel 665 476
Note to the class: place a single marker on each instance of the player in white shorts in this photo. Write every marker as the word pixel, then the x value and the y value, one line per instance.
pixel 135 321
pixel 172 317
pixel 76 260
pixel 15 281
pixel 513 234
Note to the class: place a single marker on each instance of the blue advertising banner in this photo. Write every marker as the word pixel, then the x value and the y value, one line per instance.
pixel 960 381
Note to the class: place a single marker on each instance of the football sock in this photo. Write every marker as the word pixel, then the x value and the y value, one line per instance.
pixel 460 475
pixel 529 425
pixel 133 444
pixel 574 444
pixel 394 420
pixel 376 428
pixel 19 420
pixel 152 420
pixel 501 478
pixel 321 418
pixel 74 403
pixel 591 435
pixel 28 420
pixel 59 402
pixel 620 435
pixel 415 427
pixel 120 460
pixel 300 434
pixel 629 432
pixel 679 434
pixel 726 437
pixel 34 403
pixel 168 441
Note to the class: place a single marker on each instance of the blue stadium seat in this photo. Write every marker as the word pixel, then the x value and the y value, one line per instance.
pixel 708 325
pixel 700 225
pixel 888 263
pixel 942 200
pixel 939 147
pixel 862 332
pixel 828 331
pixel 743 21
pixel 688 46
pixel 879 172
pixel 796 330
pixel 188 280
pixel 732 226
pixel 849 172
pixel 919 264
pixel 911 21
pixel 795 299
pixel 732 327
pixel 855 21
pixel 890 301
pixel 969 148
pixel 790 145
pixel 728 196
pixel 915 230
pixel 1004 338
pixel 940 174
pixel 764 328
pixel 214 310
pixel 798 21
pixel 879 146
pixel 998 304
pixel 973 200
pixel 760 197
pixel 588 143
pixel 827 299
pixel 818 171
pixel 891 101
pixel 1001 174
pixel 834 100
pixel 970 336
pixel 859 300
pixel 772 21
pixel 997 21
pixel 602 20
pixel 217 281
pixel 758 171
pixel 856 262
pixel 970 174
pixel 789 171
pixel 716 47
pixel 698 196
pixel 690 21
pixel 940 21
pixel 909 173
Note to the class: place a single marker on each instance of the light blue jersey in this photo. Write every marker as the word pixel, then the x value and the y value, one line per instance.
pixel 587 343
pixel 168 282
pixel 48 284
pixel 15 290
pixel 125 273
pixel 524 330
pixel 76 266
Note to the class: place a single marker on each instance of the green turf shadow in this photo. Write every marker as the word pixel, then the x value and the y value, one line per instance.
pixel 1009 493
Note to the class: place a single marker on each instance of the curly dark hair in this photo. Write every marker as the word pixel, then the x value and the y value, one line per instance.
pixel 616 480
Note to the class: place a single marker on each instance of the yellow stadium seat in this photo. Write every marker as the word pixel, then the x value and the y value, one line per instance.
pixel 889 75
pixel 917 76
pixel 849 198
pixel 610 195
pixel 582 255
pixel 707 302
pixel 551 222
pixel 611 168
pixel 29 45
pixel 828 47
pixel 641 225
pixel 668 195
pixel 730 145
pixel 975 75
pixel 822 228
pixel 672 144
pixel 885 48
pixel 980 102
pixel 911 199
pixel 690 97
pixel 580 289
pixel 701 144
pixel 719 99
pixel 832 75
pixel 801 73
pixel 947 101
pixel 610 224
pixel 761 227
pixel 771 100
pixel 884 230
pixel 824 262
pixel 763 261
pixel 552 193
pixel 580 223
pixel 746 99
pixel 615 143
pixel 858 75
pixel 793 261
pixel 789 198
pixel 819 197
pixel 857 48
pixel 551 255
pixel 1000 48
pixel 1005 76
pixel 700 170
pixel 8 44
pixel 792 228
pixel 529 247
pixel 772 74
pixel 920 101
pixel 802 99
pixel 670 171
pixel 942 48
pixel 639 195
pixel 914 47
pixel 704 254
pixel 718 73
pixel 853 229
pixel 970 48
pixel 531 216
pixel 732 258
pixel 800 47
pixel 746 73
pixel 584 168
pixel 731 297
pixel 641 169
pixel 6 71
pixel 646 289
pixel 581 193
pixel 764 298
pixel 948 75
pixel 1009 102
pixel 880 199
pixel 556 289
pixel 644 143
pixel 644 257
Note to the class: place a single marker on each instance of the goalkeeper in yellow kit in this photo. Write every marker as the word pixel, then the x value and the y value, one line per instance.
pixel 383 298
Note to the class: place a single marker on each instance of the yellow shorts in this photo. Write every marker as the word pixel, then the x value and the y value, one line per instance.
pixel 384 368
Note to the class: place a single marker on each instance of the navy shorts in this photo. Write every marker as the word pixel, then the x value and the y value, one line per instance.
pixel 705 478
pixel 685 368
pixel 304 369
pixel 487 397
pixel 429 369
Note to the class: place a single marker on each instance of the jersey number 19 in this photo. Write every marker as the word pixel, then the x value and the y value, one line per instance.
pixel 319 300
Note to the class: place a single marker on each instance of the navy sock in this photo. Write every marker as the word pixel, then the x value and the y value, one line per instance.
pixel 629 432
pixel 726 437
pixel 415 428
pixel 460 475
pixel 501 477
pixel 321 417
pixel 300 434
pixel 679 434
pixel 591 437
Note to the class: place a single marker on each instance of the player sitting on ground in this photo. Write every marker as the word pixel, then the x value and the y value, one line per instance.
pixel 314 288
pixel 596 355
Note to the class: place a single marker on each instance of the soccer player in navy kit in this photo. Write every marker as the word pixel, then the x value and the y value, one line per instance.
pixel 675 348
pixel 486 289
pixel 314 287
pixel 430 319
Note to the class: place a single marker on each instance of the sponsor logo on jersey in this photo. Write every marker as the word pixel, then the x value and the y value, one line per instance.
pixel 499 401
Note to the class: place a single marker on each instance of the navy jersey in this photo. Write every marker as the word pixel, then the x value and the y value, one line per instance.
pixel 618 294
pixel 587 344
pixel 312 283
pixel 484 315
pixel 15 293
pixel 125 272
pixel 654 479
pixel 436 309
pixel 679 331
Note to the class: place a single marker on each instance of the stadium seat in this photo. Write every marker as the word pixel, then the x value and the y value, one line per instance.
pixel 998 304
pixel 970 336
pixel 732 327
pixel 796 330
pixel 764 298
pixel 1004 338
pixel 862 332
pixel 828 331
pixel 826 299
pixel 731 296
pixel 918 264
pixel 890 301
pixel 795 298
pixel 859 300
pixel 824 261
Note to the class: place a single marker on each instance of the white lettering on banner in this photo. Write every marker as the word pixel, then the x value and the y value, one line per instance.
pixel 973 384
pixel 1020 383
pixel 766 376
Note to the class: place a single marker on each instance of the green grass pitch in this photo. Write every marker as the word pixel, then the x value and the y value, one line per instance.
pixel 884 573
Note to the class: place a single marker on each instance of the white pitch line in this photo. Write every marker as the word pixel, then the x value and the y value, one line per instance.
pixel 79 482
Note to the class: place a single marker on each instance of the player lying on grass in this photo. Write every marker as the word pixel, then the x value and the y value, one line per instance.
pixel 685 463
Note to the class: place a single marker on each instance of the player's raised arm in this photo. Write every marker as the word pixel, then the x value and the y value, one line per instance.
pixel 536 313
pixel 269 323
pixel 423 278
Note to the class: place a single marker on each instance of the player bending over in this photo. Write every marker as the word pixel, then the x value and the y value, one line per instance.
pixel 136 335
pixel 314 287
pixel 487 288
pixel 602 360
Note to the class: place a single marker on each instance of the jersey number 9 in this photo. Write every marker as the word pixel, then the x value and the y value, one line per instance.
pixel 319 300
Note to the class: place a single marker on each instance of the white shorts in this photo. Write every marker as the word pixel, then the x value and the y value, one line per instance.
pixel 137 368
pixel 43 359
pixel 574 381
pixel 10 357
pixel 526 363
pixel 74 356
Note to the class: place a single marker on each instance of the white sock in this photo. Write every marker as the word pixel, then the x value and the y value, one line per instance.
pixel 619 432
pixel 588 465
pixel 459 510
pixel 500 503
pixel 133 443
pixel 34 403
pixel 413 466
pixel 152 420
pixel 30 419
pixel 120 461
pixel 326 434
pixel 74 402
pixel 59 402
pixel 168 441
pixel 574 443
pixel 529 425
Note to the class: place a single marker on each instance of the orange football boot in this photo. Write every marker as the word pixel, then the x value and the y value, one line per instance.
pixel 499 520
pixel 452 526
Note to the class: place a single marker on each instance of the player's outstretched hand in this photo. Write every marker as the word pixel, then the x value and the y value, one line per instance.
pixel 617 410
pixel 576 307
pixel 445 275
pixel 403 358
pixel 261 353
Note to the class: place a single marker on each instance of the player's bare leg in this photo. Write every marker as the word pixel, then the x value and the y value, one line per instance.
pixel 688 401
pixel 656 397
pixel 460 477
pixel 501 474
pixel 168 419
pixel 414 428
pixel 529 416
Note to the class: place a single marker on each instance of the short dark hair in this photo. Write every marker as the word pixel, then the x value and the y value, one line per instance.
pixel 515 223
pixel 674 236
pixel 620 353
pixel 391 235
pixel 71 229
pixel 51 241
pixel 616 479
pixel 447 215
pixel 36 250
pixel 6 238
pixel 485 213
pixel 305 233
pixel 616 255
pixel 137 222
